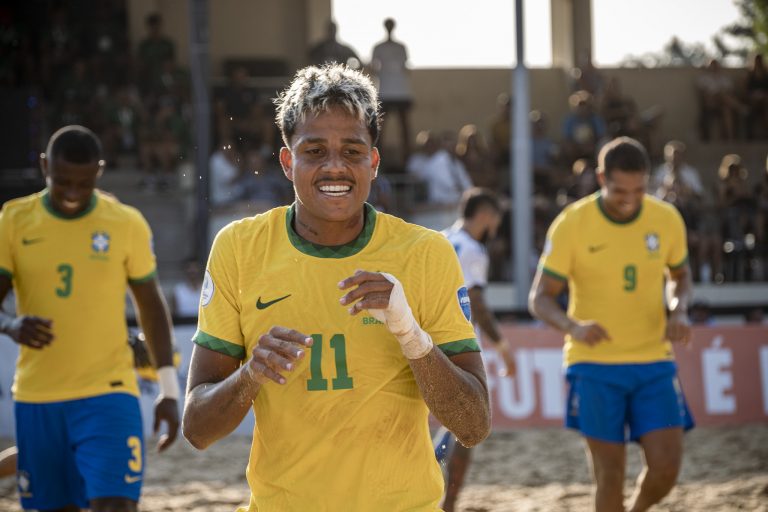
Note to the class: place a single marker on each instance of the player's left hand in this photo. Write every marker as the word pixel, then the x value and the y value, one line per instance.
pixel 166 410
pixel 678 327
pixel 372 290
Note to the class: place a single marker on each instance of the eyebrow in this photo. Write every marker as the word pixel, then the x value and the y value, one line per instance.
pixel 315 140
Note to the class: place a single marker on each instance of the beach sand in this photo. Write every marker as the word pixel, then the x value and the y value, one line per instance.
pixel 725 469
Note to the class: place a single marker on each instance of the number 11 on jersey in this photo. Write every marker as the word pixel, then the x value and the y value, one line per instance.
pixel 316 382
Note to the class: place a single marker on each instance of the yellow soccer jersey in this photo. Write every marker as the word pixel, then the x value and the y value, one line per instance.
pixel 615 276
pixel 75 272
pixel 349 429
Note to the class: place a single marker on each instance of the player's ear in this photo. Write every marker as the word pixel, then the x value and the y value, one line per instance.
pixel 601 178
pixel 375 160
pixel 286 162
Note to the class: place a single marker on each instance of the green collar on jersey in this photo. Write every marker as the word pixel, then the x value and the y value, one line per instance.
pixel 607 215
pixel 49 206
pixel 332 251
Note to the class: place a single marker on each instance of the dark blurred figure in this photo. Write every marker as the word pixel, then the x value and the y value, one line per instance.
pixel 717 102
pixel 583 180
pixel 546 153
pixel 473 152
pixel 331 49
pixel 154 50
pixel 738 211
pixel 501 132
pixel 389 64
pixel 186 294
pixel 676 182
pixel 700 313
pixel 233 108
pixel 756 99
pixel 586 77
pixel 583 128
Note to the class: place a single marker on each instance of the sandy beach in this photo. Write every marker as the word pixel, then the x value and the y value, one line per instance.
pixel 725 469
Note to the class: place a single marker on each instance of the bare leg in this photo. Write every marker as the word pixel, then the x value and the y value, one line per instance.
pixel 607 461
pixel 457 469
pixel 8 462
pixel 663 450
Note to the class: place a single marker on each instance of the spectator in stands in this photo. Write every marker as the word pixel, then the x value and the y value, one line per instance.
pixel 761 224
pixel 331 50
pixel 701 313
pixel 186 294
pixel 756 98
pixel 676 182
pixel 445 174
pixel 389 66
pixel 123 120
pixel 586 77
pixel 738 211
pixel 717 101
pixel 154 50
pixel 59 47
pixel 427 144
pixel 226 168
pixel 546 175
pixel 501 133
pixel 583 180
pixel 583 128
pixel 380 196
pixel 234 108
pixel 160 134
pixel 619 111
pixel 473 152
pixel 264 186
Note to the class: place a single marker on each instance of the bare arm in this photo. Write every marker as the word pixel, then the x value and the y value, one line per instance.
pixel 453 388
pixel 155 321
pixel 679 290
pixel 456 392
pixel 483 317
pixel 542 303
pixel 220 391
pixel 32 331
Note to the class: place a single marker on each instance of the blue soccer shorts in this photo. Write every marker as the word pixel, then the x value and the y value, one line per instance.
pixel 73 451
pixel 622 402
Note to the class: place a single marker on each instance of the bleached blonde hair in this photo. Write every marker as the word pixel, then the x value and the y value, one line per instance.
pixel 317 89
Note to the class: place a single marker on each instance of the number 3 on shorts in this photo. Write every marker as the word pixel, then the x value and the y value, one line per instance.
pixel 134 464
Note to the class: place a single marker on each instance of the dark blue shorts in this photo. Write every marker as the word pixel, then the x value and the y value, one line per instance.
pixel 621 402
pixel 73 451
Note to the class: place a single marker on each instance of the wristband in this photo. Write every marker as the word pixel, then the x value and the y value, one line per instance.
pixel 399 319
pixel 169 382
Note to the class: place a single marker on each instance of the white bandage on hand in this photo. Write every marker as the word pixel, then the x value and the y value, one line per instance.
pixel 399 319
pixel 168 380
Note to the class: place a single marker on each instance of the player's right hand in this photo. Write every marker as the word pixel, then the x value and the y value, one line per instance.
pixel 588 332
pixel 277 352
pixel 32 331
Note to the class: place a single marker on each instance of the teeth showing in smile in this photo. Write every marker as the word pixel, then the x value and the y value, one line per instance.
pixel 335 190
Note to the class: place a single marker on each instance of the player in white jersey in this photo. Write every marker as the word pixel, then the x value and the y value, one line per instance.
pixel 480 219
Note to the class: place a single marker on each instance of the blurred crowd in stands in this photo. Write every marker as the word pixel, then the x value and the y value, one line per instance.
pixel 138 100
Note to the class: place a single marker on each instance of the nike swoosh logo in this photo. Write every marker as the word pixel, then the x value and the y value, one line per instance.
pixel 265 305
pixel 132 479
pixel 30 241
pixel 595 248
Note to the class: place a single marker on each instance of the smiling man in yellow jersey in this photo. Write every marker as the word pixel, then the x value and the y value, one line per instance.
pixel 71 252
pixel 614 250
pixel 341 326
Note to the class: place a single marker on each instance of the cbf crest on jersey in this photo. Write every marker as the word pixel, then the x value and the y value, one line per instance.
pixel 100 242
pixel 100 245
pixel 652 243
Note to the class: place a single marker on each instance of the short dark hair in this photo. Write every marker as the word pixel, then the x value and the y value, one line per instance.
pixel 623 153
pixel 477 198
pixel 75 144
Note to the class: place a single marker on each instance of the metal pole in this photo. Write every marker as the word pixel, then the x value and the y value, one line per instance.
pixel 199 71
pixel 521 169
